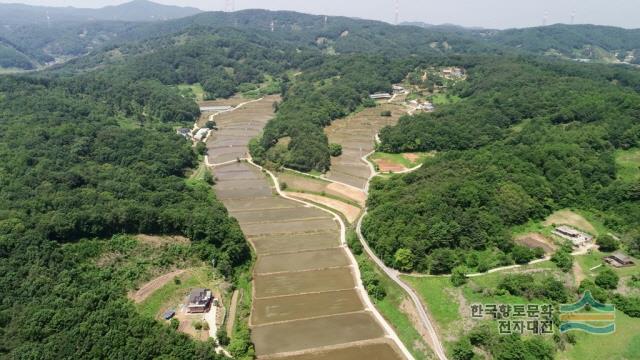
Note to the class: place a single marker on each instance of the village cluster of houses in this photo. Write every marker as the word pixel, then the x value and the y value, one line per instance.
pixel 580 239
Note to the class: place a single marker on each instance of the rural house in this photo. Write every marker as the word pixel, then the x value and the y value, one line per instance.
pixel 380 96
pixel 201 134
pixel 576 237
pixel 184 132
pixel 215 108
pixel 397 89
pixel 618 259
pixel 199 300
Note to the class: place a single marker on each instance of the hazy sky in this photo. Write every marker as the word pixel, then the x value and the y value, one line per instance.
pixel 485 13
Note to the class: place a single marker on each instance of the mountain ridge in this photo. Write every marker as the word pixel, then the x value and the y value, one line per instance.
pixel 16 14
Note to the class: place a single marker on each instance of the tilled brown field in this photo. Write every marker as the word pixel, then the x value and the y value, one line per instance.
pixel 305 297
pixel 273 244
pixel 284 284
pixel 300 306
pixel 302 261
pixel 357 134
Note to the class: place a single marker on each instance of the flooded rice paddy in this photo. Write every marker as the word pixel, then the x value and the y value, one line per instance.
pixel 356 134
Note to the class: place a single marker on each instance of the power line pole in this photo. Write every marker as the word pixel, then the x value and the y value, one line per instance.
pixel 573 17
pixel 397 18
pixel 230 6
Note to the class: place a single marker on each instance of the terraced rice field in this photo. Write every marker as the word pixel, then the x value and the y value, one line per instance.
pixel 306 303
pixel 305 295
pixel 236 128
pixel 356 134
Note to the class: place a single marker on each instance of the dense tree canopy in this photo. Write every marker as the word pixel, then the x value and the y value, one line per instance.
pixel 524 141
pixel 68 171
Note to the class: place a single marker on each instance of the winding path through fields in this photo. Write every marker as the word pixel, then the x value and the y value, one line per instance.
pixel 308 300
pixel 357 135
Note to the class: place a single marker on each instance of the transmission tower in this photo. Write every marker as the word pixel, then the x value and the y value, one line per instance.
pixel 397 19
pixel 573 17
pixel 230 6
pixel 545 18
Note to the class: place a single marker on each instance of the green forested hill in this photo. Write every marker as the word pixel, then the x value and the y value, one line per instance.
pixel 69 172
pixel 136 10
pixel 527 139
pixel 88 152
pixel 44 43
pixel 599 43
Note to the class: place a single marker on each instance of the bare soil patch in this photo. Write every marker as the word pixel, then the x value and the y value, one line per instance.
pixel 411 157
pixel 385 165
pixel 158 241
pixel 349 192
pixel 534 240
pixel 568 217
pixel 349 211
pixel 150 287
pixel 186 325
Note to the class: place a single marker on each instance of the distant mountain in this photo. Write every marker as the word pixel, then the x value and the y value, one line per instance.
pixel 33 36
pixel 12 15
pixel 583 42
pixel 441 26
pixel 34 45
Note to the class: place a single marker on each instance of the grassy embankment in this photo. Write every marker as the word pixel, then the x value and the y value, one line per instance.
pixel 444 99
pixel 194 91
